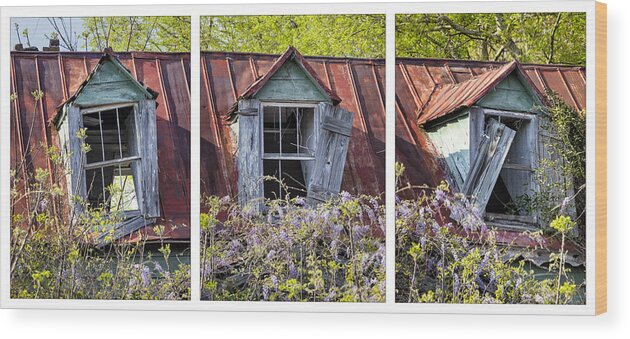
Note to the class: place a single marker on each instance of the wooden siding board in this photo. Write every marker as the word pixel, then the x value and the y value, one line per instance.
pixel 510 95
pixel 452 141
pixel 250 185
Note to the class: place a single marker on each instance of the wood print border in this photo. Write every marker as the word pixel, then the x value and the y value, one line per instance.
pixel 601 272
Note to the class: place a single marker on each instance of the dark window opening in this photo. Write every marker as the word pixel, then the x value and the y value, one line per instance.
pixel 514 183
pixel 290 179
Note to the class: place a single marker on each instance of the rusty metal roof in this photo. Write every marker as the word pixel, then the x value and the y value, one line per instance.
pixel 455 96
pixel 456 84
pixel 359 85
pixel 60 74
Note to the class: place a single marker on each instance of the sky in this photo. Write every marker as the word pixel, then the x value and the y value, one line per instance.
pixel 38 28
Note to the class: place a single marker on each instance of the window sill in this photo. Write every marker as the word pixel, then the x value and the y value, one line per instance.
pixel 276 156
pixel 511 222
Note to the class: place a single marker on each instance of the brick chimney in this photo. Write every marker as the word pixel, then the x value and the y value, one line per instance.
pixel 53 46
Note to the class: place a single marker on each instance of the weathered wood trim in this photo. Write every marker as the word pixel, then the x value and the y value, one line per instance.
pixel 122 229
pixel 147 130
pixel 77 158
pixel 249 154
pixel 337 125
pixel 508 114
pixel 100 108
pixel 277 156
pixel 330 155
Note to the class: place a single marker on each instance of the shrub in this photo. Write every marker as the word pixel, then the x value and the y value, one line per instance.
pixel 53 256
pixel 293 252
pixel 445 253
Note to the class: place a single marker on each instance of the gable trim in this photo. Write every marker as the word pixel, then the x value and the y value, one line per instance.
pixel 290 54
pixel 107 56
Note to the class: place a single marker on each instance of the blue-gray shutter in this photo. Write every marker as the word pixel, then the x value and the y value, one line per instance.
pixel 249 163
pixel 72 144
pixel 486 166
pixel 147 136
pixel 330 156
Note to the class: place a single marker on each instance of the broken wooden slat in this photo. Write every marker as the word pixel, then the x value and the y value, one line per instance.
pixel 487 164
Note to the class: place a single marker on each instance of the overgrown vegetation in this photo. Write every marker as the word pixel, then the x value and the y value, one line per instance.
pixel 445 253
pixel 55 258
pixel 561 171
pixel 294 252
pixel 52 246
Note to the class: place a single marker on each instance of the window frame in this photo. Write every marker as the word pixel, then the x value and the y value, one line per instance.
pixel 279 156
pixel 113 162
pixel 478 116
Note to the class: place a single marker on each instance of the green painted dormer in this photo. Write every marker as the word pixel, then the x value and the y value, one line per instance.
pixel 110 83
pixel 291 83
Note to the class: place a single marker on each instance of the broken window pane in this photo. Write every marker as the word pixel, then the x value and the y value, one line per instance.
pixel 290 179
pixel 109 133
pixel 112 188
pixel 288 133
pixel 289 130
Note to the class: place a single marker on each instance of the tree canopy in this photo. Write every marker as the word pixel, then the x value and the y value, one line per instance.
pixel 528 37
pixel 361 36
pixel 135 33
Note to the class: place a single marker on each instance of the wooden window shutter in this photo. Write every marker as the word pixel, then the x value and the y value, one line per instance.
pixel 488 161
pixel 330 155
pixel 73 145
pixel 250 185
pixel 147 135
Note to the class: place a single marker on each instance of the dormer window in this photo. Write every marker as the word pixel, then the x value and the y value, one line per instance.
pixel 108 130
pixel 486 129
pixel 290 127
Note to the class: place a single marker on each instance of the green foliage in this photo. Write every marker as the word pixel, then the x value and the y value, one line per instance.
pixel 137 33
pixel 52 255
pixel 562 224
pixel 294 252
pixel 361 36
pixel 565 159
pixel 445 253
pixel 527 37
